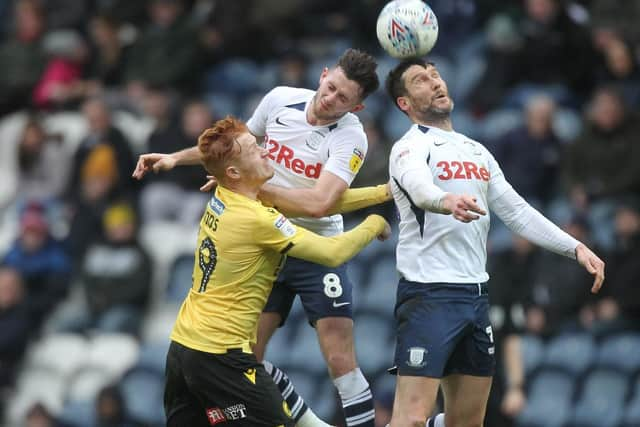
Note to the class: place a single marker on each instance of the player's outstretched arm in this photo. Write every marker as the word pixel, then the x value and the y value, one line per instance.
pixel 336 250
pixel 593 264
pixel 157 162
pixel 316 201
pixel 354 199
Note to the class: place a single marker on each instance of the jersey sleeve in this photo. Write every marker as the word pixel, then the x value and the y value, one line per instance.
pixel 406 157
pixel 257 124
pixel 498 184
pixel 347 152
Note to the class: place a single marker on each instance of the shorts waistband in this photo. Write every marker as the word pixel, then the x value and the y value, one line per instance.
pixel 476 288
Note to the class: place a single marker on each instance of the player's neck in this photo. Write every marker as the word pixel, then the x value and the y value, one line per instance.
pixel 440 122
pixel 249 191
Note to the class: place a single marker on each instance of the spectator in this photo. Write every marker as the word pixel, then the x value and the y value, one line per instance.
pixel 39 416
pixel 617 65
pixel 61 84
pixel 555 49
pixel 43 164
pixel 175 195
pixel 620 307
pixel 42 262
pixel 102 132
pixel 106 66
pixel 98 188
pixel 530 155
pixel 110 409
pixel 558 302
pixel 167 52
pixel 116 276
pixel 14 323
pixel 602 161
pixel 21 57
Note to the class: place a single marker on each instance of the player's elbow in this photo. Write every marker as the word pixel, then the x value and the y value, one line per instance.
pixel 320 209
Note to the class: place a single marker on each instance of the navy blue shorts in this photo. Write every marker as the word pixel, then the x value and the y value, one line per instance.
pixel 324 291
pixel 443 329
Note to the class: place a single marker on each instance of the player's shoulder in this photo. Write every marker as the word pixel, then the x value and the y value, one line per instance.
pixel 287 95
pixel 414 138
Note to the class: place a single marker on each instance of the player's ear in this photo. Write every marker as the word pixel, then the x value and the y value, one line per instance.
pixel 357 108
pixel 324 73
pixel 232 172
pixel 403 103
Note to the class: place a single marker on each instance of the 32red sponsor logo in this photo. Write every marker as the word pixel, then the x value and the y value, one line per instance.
pixel 285 156
pixel 462 170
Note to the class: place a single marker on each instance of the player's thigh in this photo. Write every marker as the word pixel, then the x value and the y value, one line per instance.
pixel 324 291
pixel 335 336
pixel 465 399
pixel 235 388
pixel 267 325
pixel 415 398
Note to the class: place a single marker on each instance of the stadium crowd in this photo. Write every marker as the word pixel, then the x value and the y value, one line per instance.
pixel 93 265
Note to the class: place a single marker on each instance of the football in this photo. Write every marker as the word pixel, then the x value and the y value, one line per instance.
pixel 407 28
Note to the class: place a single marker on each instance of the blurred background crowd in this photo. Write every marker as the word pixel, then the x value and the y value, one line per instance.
pixel 93 265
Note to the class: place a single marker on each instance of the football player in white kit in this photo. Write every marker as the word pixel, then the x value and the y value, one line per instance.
pixel 317 147
pixel 444 185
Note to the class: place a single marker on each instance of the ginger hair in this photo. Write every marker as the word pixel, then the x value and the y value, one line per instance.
pixel 216 144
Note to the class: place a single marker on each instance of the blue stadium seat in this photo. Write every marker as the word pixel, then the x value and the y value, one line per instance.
pixel 380 294
pixel 571 352
pixel 142 390
pixel 499 122
pixel 78 413
pixel 305 350
pixel 153 355
pixel 601 402
pixel 532 352
pixel 549 400
pixel 395 123
pixel 180 278
pixel 631 417
pixel 373 337
pixel 236 76
pixel 621 352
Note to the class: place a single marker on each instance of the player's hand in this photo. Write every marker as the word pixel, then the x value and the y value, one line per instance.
pixel 385 233
pixel 210 184
pixel 155 162
pixel 463 207
pixel 513 402
pixel 592 264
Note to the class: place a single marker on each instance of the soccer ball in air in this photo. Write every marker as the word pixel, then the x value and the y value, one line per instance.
pixel 407 28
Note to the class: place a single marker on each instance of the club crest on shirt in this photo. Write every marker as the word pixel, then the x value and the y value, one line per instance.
pixel 314 140
pixel 474 147
pixel 356 160
pixel 284 225
pixel 416 357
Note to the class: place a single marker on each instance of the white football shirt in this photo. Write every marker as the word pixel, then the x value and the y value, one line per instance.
pixel 300 151
pixel 435 247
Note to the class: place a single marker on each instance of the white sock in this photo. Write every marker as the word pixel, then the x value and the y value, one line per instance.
pixel 309 419
pixel 357 402
pixel 437 421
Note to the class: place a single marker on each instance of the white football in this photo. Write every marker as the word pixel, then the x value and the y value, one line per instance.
pixel 407 28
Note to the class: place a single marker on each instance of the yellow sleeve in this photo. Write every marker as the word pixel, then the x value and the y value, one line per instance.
pixel 336 250
pixel 357 198
pixel 273 230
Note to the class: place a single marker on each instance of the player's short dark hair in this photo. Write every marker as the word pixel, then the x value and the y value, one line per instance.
pixel 360 67
pixel 394 84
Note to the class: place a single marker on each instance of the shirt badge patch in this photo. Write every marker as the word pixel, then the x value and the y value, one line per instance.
pixel 314 140
pixel 284 225
pixel 216 205
pixel 356 160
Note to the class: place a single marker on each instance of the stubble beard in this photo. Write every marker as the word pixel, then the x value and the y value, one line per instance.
pixel 435 115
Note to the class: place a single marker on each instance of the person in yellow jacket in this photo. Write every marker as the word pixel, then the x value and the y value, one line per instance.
pixel 212 375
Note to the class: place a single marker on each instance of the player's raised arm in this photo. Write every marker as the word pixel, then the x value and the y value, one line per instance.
pixel 336 250
pixel 157 162
pixel 316 201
